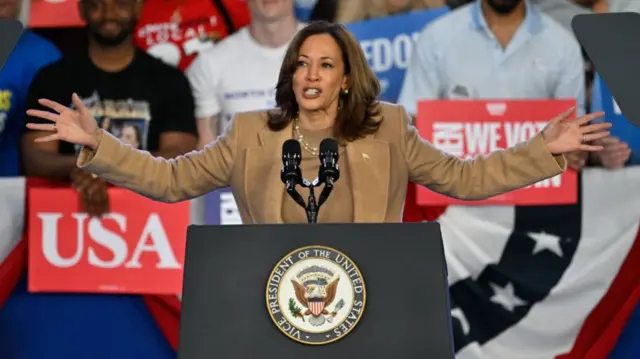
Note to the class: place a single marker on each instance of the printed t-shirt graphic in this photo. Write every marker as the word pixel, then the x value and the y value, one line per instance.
pixel 126 119
pixel 137 104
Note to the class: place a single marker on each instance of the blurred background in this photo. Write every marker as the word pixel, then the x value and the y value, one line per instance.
pixel 88 270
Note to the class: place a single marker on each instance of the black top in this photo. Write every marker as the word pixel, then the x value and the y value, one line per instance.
pixel 136 104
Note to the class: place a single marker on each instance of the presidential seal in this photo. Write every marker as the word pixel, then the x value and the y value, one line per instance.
pixel 316 295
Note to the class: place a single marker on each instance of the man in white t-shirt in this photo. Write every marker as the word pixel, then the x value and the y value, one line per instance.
pixel 241 72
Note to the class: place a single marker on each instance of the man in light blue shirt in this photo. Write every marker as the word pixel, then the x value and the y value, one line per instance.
pixel 495 49
pixel 503 49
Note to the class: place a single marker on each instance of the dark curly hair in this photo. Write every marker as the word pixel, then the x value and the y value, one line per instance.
pixel 359 111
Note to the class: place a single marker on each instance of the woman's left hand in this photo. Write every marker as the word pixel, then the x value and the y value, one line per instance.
pixel 563 135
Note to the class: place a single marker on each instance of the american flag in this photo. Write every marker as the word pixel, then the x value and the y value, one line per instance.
pixel 544 282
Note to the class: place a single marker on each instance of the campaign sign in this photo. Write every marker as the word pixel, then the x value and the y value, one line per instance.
pixel 304 8
pixel 622 128
pixel 387 43
pixel 54 13
pixel 221 208
pixel 137 248
pixel 469 129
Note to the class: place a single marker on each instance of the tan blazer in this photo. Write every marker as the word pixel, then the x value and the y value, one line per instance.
pixel 248 158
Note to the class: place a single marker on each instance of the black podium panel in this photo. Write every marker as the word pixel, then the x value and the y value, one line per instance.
pixel 10 32
pixel 227 268
pixel 611 41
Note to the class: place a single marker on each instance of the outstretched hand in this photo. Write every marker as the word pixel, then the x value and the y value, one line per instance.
pixel 73 126
pixel 563 136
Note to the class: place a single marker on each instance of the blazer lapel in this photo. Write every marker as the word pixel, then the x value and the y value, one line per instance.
pixel 262 182
pixel 369 165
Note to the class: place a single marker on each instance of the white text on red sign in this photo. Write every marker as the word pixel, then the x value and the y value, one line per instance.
pixel 153 238
pixel 468 140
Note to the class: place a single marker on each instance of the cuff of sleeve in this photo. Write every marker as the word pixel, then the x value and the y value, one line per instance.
pixel 554 164
pixel 93 160
pixel 206 110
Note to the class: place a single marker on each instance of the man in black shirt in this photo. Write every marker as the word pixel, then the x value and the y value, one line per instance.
pixel 136 97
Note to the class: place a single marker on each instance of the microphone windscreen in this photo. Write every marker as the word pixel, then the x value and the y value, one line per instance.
pixel 291 146
pixel 329 145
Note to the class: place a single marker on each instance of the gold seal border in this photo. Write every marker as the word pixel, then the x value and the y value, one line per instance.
pixel 364 295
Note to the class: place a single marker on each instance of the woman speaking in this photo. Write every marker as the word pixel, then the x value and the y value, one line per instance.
pixel 325 89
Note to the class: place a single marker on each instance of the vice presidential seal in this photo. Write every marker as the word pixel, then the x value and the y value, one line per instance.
pixel 316 295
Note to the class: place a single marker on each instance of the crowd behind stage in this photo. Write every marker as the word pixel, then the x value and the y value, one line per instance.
pixel 197 62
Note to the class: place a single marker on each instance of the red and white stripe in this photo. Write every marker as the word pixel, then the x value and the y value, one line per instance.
pixel 13 248
pixel 316 307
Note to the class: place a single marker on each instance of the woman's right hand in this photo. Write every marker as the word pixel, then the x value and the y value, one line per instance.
pixel 74 126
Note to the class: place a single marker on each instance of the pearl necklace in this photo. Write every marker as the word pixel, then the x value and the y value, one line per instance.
pixel 307 147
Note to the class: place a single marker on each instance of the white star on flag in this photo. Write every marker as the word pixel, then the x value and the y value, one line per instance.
pixel 506 296
pixel 546 241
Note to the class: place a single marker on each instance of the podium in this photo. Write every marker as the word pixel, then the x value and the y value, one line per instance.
pixel 315 291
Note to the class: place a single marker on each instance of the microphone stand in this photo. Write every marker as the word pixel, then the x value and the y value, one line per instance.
pixel 312 207
pixel 324 195
pixel 295 195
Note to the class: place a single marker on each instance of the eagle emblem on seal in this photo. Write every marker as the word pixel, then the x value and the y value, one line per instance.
pixel 315 289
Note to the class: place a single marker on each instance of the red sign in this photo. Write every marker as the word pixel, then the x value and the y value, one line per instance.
pixel 474 128
pixel 137 248
pixel 54 13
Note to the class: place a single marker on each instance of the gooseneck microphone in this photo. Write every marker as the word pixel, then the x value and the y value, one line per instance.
pixel 329 171
pixel 291 175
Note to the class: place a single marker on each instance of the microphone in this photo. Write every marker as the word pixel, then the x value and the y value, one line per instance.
pixel 291 175
pixel 291 158
pixel 329 172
